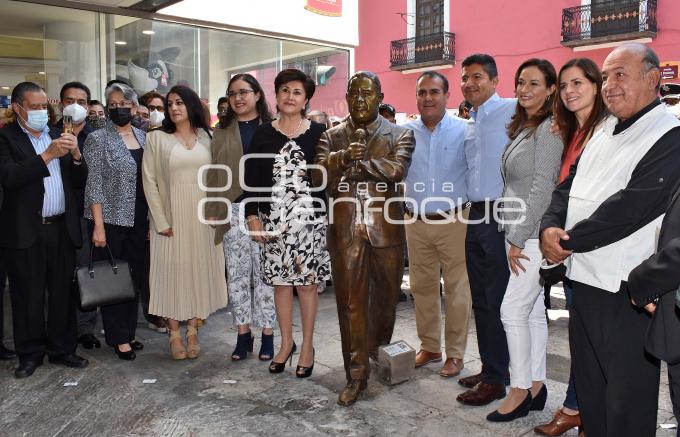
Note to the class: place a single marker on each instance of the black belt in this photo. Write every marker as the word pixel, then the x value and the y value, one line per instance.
pixel 445 216
pixel 52 219
pixel 482 204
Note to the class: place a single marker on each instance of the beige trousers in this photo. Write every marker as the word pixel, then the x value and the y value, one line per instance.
pixel 435 247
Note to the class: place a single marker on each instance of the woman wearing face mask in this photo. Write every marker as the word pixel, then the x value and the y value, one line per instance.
pixel 155 102
pixel 530 166
pixel 187 264
pixel 578 113
pixel 292 234
pixel 96 116
pixel 252 300
pixel 116 207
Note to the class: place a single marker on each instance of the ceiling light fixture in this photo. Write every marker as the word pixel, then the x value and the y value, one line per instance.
pixel 120 43
pixel 148 32
pixel 41 72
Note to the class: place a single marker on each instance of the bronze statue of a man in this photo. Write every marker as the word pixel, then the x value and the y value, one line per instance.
pixel 365 158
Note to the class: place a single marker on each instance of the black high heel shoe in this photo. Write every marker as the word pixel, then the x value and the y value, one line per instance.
pixel 275 367
pixel 306 372
pixel 266 347
pixel 127 356
pixel 244 344
pixel 521 411
pixel 538 403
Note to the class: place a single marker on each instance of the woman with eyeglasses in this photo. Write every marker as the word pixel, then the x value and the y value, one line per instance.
pixel 187 264
pixel 252 300
pixel 116 207
pixel 292 233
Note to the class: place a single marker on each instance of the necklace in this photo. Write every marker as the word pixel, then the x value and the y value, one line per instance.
pixel 187 144
pixel 297 129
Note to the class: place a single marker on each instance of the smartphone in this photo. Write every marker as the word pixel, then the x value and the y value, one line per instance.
pixel 68 124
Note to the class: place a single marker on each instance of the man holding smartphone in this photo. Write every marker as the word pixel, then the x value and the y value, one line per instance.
pixel 39 170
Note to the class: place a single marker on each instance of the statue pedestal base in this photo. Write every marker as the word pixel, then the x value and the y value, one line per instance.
pixel 396 362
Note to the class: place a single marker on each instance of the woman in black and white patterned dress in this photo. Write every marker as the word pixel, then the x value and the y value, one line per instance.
pixel 284 219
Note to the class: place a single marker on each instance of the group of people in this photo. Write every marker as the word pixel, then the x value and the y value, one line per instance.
pixel 578 169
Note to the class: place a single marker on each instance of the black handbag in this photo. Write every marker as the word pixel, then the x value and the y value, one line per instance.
pixel 104 282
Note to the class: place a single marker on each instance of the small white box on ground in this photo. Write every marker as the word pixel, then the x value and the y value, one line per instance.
pixel 396 362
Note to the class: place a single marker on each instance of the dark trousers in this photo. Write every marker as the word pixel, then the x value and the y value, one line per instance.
pixel 616 379
pixel 145 291
pixel 120 320
pixel 674 384
pixel 43 270
pixel 570 400
pixel 3 280
pixel 488 272
pixel 85 320
pixel 367 282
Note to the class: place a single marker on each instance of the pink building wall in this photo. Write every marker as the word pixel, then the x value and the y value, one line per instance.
pixel 511 31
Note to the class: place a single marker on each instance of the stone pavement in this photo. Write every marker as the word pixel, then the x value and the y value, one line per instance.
pixel 191 398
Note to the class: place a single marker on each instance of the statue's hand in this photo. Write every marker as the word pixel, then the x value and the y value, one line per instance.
pixel 355 152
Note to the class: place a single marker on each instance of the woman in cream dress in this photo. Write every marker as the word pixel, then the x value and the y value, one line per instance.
pixel 187 268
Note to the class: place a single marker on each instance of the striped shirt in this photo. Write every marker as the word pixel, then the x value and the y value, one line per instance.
pixel 54 202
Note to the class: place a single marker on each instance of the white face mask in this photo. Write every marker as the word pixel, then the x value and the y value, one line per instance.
pixel 77 112
pixel 156 118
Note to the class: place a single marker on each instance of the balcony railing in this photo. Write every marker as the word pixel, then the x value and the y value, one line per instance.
pixel 610 21
pixel 423 51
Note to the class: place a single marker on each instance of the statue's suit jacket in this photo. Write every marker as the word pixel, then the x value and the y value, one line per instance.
pixel 388 156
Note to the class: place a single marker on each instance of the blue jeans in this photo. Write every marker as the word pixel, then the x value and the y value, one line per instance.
pixel 570 400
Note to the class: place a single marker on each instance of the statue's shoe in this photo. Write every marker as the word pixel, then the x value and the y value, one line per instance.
pixel 350 393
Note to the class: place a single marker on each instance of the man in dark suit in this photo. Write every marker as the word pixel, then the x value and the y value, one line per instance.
pixel 652 285
pixel 367 250
pixel 5 354
pixel 39 170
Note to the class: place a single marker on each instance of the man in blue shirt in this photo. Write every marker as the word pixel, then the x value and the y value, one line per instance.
pixel 487 266
pixel 436 190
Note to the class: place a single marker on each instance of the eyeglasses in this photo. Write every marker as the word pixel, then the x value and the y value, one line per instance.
pixel 240 93
pixel 123 104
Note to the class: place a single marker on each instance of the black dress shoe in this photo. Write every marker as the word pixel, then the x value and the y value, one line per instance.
pixel 136 345
pixel 26 369
pixel 127 356
pixel 89 341
pixel 71 360
pixel 6 354
pixel 521 411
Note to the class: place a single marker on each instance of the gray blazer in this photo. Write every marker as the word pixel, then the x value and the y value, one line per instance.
pixel 112 176
pixel 530 167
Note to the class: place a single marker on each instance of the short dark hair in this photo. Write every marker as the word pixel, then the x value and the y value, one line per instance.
pixel 222 100
pixel 368 75
pixel 464 105
pixel 435 75
pixel 487 62
pixel 95 102
pixel 292 75
pixel 386 107
pixel 148 97
pixel 19 91
pixel 78 85
pixel 261 106
pixel 195 110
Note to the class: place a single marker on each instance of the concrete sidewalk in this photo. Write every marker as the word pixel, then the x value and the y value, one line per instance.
pixel 198 398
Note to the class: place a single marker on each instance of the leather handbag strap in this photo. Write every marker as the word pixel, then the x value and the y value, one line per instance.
pixel 112 261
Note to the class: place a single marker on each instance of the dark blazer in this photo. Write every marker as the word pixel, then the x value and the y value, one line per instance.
pixel 22 172
pixel 659 277
pixel 388 157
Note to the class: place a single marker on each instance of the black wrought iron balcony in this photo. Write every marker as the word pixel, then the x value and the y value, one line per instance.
pixel 611 21
pixel 423 51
